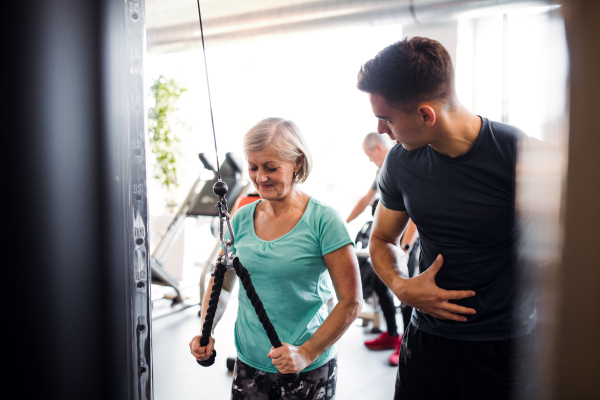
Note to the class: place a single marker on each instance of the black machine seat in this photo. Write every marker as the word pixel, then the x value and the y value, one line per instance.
pixel 200 201
pixel 205 201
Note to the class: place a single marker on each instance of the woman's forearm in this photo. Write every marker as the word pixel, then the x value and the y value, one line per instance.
pixel 332 329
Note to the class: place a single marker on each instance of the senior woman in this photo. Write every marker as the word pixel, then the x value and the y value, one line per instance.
pixel 291 244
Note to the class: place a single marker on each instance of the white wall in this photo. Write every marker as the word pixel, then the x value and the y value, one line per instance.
pixel 514 68
pixel 309 78
pixel 446 33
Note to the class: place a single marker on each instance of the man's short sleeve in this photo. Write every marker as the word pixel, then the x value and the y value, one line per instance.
pixel 391 197
pixel 333 233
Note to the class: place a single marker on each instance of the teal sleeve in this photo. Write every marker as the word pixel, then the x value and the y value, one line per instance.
pixel 333 233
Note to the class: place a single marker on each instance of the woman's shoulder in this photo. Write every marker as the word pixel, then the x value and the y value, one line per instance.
pixel 320 211
pixel 245 212
pixel 327 226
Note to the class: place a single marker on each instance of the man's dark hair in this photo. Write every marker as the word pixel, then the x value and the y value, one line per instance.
pixel 408 72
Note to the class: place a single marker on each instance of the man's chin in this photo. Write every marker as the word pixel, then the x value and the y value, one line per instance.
pixel 410 147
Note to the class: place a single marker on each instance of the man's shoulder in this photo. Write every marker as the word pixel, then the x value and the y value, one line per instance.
pixel 503 132
pixel 400 158
pixel 503 139
pixel 399 153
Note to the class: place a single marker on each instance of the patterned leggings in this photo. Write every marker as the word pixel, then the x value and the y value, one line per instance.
pixel 253 384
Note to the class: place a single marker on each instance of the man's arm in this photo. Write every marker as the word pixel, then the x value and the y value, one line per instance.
pixel 362 204
pixel 420 292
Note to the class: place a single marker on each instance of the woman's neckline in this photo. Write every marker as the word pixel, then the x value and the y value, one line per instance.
pixel 255 204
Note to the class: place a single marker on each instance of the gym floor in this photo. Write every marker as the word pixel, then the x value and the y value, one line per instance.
pixel 362 374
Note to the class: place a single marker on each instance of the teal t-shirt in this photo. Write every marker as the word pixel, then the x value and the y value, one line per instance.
pixel 291 279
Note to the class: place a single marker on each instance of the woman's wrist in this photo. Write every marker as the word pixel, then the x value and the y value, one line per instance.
pixel 308 354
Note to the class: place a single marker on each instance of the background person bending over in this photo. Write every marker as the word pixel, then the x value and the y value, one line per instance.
pixel 291 245
pixel 376 147
pixel 454 176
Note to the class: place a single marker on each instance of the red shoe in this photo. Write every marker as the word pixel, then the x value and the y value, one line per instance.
pixel 394 359
pixel 384 342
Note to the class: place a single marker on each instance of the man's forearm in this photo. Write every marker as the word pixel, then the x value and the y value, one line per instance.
pixel 362 204
pixel 389 262
pixel 358 209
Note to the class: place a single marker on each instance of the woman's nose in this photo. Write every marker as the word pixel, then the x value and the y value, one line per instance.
pixel 261 177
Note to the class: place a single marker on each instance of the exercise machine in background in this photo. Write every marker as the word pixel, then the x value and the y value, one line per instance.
pixel 200 202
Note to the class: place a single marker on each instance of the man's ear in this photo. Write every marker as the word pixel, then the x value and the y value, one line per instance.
pixel 427 114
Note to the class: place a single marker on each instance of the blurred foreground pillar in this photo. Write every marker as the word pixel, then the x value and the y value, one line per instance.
pixel 73 202
pixel 575 371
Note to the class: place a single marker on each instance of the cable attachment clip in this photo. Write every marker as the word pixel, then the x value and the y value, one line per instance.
pixel 220 189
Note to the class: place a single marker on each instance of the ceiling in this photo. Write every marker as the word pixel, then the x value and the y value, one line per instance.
pixel 172 25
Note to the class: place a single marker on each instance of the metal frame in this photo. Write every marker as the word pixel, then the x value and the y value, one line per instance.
pixel 175 227
pixel 136 203
pixel 160 253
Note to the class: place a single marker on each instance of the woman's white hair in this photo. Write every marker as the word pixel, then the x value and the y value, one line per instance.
pixel 285 138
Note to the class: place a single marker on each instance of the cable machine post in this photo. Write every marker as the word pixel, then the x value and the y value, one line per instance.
pixel 135 202
pixel 228 260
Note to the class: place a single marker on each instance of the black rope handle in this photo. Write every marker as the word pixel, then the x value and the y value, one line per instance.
pixel 219 276
pixel 242 272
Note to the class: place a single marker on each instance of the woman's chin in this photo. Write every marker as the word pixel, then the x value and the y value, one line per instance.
pixel 266 194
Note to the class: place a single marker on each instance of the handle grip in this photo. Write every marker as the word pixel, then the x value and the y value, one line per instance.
pixel 288 378
pixel 210 361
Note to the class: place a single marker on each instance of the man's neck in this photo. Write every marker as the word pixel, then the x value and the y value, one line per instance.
pixel 457 132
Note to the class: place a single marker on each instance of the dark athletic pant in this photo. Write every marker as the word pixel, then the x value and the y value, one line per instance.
pixel 253 384
pixel 433 367
pixel 386 301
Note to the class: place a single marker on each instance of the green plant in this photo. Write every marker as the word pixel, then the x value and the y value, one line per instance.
pixel 162 130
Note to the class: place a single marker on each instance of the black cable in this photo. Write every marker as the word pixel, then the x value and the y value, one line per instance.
pixel 242 272
pixel 244 276
pixel 413 12
pixel 208 87
pixel 220 190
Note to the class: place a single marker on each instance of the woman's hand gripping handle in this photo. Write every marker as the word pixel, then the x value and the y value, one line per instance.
pixel 205 353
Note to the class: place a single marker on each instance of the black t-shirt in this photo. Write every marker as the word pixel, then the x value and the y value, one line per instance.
pixel 464 209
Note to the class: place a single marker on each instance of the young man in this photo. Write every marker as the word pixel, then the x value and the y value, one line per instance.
pixel 376 147
pixel 454 176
